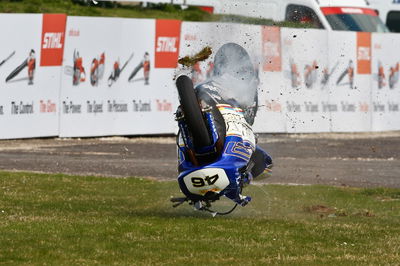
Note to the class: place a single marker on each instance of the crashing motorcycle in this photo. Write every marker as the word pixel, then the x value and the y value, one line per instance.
pixel 217 150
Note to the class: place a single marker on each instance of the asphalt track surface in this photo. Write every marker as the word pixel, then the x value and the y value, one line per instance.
pixel 359 160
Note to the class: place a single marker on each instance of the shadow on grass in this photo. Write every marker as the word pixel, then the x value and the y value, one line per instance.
pixel 173 213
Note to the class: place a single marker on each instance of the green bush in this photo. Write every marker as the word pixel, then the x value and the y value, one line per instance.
pixel 115 9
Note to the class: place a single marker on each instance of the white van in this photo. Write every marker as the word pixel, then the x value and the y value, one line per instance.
pixel 349 15
pixel 389 12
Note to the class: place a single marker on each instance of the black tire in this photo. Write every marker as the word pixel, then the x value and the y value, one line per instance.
pixel 192 112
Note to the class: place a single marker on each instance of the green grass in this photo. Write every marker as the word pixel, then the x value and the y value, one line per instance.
pixel 74 8
pixel 69 220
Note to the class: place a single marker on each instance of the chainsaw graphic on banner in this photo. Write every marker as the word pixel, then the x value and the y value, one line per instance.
pixel 29 62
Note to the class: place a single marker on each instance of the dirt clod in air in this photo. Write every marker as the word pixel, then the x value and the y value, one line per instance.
pixel 189 61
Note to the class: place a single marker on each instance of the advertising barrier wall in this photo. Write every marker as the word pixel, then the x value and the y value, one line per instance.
pixel 117 77
pixel 30 58
pixel 310 82
pixel 86 76
pixel 305 88
pixel 385 82
pixel 350 86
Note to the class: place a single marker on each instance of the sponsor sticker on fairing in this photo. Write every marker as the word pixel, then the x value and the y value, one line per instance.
pixel 236 124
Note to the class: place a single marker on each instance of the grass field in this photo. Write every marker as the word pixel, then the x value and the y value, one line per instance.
pixel 65 220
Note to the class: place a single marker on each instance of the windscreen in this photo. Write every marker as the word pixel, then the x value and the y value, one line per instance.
pixel 354 19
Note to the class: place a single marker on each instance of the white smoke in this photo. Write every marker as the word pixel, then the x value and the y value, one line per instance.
pixel 235 72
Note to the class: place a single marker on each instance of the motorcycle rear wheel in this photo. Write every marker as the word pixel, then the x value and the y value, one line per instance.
pixel 192 112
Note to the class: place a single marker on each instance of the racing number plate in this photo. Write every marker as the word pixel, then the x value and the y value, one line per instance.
pixel 206 180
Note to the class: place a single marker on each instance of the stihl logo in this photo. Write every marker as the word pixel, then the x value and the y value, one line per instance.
pixel 167 40
pixel 271 49
pixel 364 53
pixel 52 40
pixel 53 36
pixel 167 45
pixel 272 55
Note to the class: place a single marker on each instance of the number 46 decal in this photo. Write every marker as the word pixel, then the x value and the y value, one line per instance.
pixel 208 180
